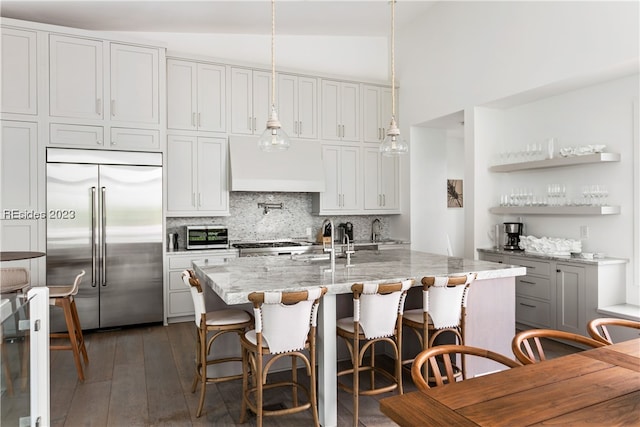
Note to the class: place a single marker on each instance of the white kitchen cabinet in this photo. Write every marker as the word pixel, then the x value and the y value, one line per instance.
pixel 19 171
pixel 135 90
pixel 19 72
pixel 298 105
pixel 342 179
pixel 250 100
pixel 76 135
pixel 381 182
pixel 76 77
pixel 135 139
pixel 197 182
pixel 571 298
pixel 196 96
pixel 376 112
pixel 178 300
pixel 340 111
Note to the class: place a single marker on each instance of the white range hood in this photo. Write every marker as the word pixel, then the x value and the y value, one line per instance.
pixel 298 169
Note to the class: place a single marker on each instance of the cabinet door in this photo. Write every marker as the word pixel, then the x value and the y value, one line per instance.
pixel 350 111
pixel 350 178
pixel 181 94
pixel 331 197
pixel 307 126
pixel 19 171
pixel 134 84
pixel 330 110
pixel 181 174
pixel 75 77
pixel 288 103
pixel 371 106
pixel 213 194
pixel 371 163
pixel 261 100
pixel 212 100
pixel 18 68
pixel 571 299
pixel 389 182
pixel 241 101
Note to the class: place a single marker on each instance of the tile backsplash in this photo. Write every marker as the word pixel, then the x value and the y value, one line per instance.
pixel 248 222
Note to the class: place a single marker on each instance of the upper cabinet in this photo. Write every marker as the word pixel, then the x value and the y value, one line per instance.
pixel 340 111
pixel 343 181
pixel 376 112
pixel 76 82
pixel 381 182
pixel 196 96
pixel 19 81
pixel 134 84
pixel 298 105
pixel 250 100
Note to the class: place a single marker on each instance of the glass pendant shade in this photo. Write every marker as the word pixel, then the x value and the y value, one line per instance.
pixel 274 138
pixel 393 144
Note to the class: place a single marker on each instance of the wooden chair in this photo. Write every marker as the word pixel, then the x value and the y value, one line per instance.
pixel 597 328
pixel 63 297
pixel 377 317
pixel 444 305
pixel 523 343
pixel 285 327
pixel 218 322
pixel 440 356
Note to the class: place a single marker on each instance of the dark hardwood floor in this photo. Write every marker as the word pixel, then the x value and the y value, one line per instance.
pixel 142 377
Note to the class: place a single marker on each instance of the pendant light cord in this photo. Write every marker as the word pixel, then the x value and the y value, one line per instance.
pixel 273 52
pixel 393 58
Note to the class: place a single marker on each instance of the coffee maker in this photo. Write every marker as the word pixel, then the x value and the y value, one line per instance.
pixel 513 231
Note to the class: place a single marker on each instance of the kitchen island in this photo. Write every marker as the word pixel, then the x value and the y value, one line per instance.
pixel 490 309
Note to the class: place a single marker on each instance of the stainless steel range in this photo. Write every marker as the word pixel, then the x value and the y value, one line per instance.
pixel 263 248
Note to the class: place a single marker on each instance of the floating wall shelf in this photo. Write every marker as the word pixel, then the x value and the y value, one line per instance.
pixel 558 162
pixel 555 210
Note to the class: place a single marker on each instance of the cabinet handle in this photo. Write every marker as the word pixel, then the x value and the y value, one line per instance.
pixel 528 305
pixel 254 123
pixel 300 128
pixel 98 106
pixel 527 282
pixel 113 108
pixel 249 123
pixel 113 142
pixel 193 119
pixel 199 121
pixel 384 200
pixel 99 142
pixel 558 271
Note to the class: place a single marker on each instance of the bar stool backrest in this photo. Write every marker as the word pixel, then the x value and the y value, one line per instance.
pixel 284 319
pixel 444 297
pixel 376 307
pixel 191 281
pixel 13 279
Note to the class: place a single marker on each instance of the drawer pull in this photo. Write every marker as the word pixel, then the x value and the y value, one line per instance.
pixel 528 283
pixel 528 305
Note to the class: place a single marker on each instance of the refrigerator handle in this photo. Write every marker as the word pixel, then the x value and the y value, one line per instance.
pixel 103 242
pixel 94 257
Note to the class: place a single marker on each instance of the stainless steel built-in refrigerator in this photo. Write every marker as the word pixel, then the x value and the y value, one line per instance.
pixel 104 216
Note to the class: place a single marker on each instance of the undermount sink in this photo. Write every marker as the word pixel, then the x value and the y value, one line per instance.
pixel 310 257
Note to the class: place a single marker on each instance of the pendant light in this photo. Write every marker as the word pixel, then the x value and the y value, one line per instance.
pixel 274 138
pixel 393 145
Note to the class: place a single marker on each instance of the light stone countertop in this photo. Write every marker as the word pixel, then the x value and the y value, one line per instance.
pixel 596 261
pixel 233 279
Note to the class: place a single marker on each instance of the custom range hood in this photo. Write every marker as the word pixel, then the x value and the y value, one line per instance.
pixel 298 169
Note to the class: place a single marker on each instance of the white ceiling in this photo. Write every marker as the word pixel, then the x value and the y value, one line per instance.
pixel 369 18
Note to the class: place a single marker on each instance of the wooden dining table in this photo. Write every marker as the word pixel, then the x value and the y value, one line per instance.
pixel 593 387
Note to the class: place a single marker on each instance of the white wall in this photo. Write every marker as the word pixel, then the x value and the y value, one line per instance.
pixel 463 55
pixel 358 58
pixel 455 170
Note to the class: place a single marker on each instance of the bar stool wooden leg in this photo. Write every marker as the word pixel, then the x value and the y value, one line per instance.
pixel 65 304
pixel 78 328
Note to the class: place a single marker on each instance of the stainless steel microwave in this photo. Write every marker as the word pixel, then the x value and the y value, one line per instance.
pixel 207 237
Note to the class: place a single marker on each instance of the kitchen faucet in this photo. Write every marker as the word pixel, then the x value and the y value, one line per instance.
pixel 332 249
pixel 375 230
pixel 348 252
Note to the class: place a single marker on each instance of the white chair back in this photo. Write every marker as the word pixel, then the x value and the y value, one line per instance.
pixel 444 303
pixel 76 282
pixel 378 313
pixel 13 279
pixel 196 294
pixel 285 327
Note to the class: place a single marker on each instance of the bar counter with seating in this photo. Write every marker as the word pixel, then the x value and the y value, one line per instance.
pixel 490 310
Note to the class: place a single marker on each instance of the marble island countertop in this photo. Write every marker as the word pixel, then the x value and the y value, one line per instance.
pixel 234 278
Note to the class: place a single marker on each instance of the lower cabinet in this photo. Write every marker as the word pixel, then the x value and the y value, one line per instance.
pixel 561 294
pixel 178 304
